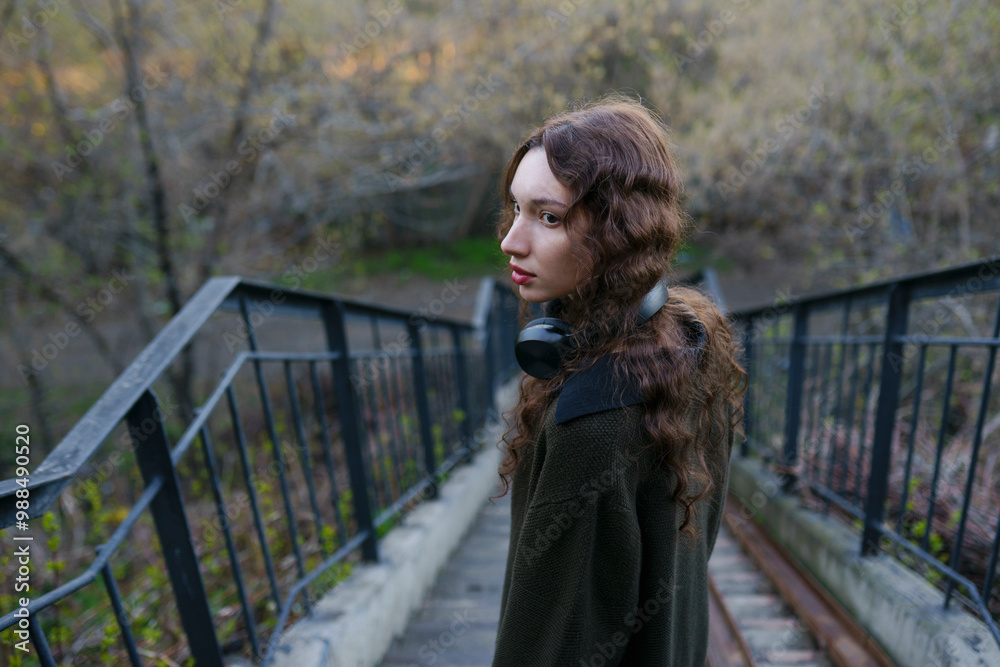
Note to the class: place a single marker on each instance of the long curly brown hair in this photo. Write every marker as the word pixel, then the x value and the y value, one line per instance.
pixel 615 158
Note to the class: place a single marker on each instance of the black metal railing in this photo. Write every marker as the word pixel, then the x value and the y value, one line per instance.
pixel 879 400
pixel 330 418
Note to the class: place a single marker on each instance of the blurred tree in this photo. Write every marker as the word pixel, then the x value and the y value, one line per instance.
pixel 178 140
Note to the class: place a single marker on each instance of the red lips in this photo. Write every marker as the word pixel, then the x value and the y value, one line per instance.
pixel 520 276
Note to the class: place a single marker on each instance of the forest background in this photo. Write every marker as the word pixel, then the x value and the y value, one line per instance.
pixel 354 147
pixel 148 145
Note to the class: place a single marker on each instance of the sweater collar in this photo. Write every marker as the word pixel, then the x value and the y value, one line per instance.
pixel 595 389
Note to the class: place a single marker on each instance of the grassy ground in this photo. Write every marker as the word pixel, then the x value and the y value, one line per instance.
pixel 465 258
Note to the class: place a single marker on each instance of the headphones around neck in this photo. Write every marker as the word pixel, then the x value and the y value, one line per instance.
pixel 544 343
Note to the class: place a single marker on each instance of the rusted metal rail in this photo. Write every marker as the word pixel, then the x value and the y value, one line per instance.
pixel 839 639
pixel 726 645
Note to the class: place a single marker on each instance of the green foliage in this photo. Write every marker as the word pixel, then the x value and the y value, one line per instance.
pixel 345 504
pixel 109 639
pixel 327 538
pixel 388 525
pixel 409 476
pixel 469 257
pixel 407 426
pixel 893 86
pixel 913 485
pixel 437 436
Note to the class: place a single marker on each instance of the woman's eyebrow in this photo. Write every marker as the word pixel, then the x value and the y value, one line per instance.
pixel 538 203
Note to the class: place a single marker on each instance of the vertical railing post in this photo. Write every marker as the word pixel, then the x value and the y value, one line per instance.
pixel 489 353
pixel 502 340
pixel 508 322
pixel 793 404
pixel 423 408
pixel 463 389
pixel 885 415
pixel 747 405
pixel 977 441
pixel 152 453
pixel 336 337
pixel 482 322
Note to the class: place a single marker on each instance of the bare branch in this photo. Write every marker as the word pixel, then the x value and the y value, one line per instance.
pixel 250 79
pixel 37 284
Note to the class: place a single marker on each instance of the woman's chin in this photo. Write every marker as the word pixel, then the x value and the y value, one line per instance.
pixel 531 295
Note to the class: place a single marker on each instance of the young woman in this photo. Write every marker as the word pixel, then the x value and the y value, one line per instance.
pixel 618 452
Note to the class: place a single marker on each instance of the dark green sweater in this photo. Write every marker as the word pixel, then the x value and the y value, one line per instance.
pixel 597 573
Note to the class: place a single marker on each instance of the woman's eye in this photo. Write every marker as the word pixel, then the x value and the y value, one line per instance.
pixel 517 208
pixel 550 219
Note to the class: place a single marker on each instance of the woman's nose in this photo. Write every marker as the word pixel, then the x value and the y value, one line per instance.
pixel 515 242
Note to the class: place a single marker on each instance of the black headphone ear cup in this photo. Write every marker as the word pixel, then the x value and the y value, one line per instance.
pixel 542 345
pixel 702 338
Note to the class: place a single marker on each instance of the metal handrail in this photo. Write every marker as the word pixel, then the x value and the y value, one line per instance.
pixel 775 353
pixel 812 433
pixel 709 279
pixel 130 398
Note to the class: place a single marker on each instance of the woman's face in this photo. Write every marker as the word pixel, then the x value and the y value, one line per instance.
pixel 541 258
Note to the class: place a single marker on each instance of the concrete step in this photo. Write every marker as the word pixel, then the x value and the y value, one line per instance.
pixel 728 561
pixel 442 637
pixel 787 639
pixel 803 658
pixel 457 624
pixel 755 604
pixel 775 635
pixel 445 659
pixel 457 612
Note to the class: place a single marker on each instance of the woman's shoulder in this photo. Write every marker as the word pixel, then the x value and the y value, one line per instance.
pixel 595 389
pixel 596 418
